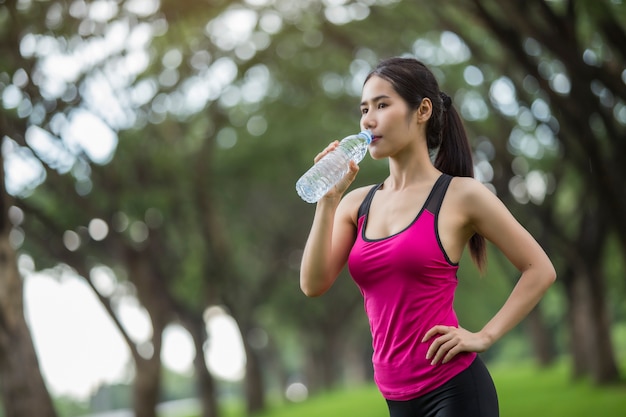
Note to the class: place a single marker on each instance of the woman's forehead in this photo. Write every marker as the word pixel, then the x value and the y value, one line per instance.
pixel 376 87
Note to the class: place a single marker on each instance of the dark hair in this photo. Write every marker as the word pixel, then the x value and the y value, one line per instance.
pixel 445 133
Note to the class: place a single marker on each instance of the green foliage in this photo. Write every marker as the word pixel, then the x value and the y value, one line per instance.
pixel 177 386
pixel 70 407
pixel 111 397
pixel 479 296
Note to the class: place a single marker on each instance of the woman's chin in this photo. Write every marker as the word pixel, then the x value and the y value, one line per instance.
pixel 376 155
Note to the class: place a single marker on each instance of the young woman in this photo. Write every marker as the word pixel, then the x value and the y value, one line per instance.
pixel 402 240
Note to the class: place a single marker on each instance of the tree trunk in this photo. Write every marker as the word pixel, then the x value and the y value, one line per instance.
pixel 580 324
pixel 204 380
pixel 324 356
pixel 253 381
pixel 541 338
pixel 154 298
pixel 255 386
pixel 147 384
pixel 332 363
pixel 601 356
pixel 24 393
pixel 313 371
pixel 603 366
pixel 592 349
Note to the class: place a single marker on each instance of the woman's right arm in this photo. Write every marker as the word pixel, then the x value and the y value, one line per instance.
pixel 331 237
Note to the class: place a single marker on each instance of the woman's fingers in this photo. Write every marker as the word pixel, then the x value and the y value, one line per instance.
pixel 434 331
pixel 441 345
pixel 347 179
pixel 331 147
pixel 450 342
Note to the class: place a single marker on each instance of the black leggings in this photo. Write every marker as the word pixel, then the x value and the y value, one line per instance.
pixel 469 394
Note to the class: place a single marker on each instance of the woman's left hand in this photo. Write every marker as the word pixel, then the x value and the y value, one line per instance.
pixel 452 341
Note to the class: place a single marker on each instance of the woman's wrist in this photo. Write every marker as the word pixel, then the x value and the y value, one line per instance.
pixel 487 338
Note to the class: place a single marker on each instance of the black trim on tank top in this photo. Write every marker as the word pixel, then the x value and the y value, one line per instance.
pixel 435 206
pixel 364 208
pixel 439 191
pixel 367 202
pixel 432 204
pixel 435 193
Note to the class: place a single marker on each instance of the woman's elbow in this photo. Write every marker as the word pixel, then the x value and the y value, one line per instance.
pixel 312 293
pixel 549 276
pixel 311 290
pixel 552 276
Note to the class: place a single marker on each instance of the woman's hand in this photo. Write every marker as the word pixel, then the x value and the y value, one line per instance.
pixel 452 341
pixel 340 188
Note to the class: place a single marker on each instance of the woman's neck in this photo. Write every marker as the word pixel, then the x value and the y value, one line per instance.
pixel 406 172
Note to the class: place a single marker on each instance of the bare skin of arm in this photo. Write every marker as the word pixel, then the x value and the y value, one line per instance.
pixel 472 208
pixel 332 234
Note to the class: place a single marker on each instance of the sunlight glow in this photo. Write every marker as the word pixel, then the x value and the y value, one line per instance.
pixel 23 171
pixel 98 229
pixel 142 7
pixel 90 134
pixel 77 345
pixel 503 96
pixel 225 355
pixel 135 318
pixel 232 28
pixel 178 349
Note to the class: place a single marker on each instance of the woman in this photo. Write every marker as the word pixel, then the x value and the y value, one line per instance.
pixel 402 240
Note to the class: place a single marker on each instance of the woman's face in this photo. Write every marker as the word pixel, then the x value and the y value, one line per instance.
pixel 388 117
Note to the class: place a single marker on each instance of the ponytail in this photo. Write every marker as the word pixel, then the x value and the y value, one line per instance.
pixel 454 157
pixel 445 133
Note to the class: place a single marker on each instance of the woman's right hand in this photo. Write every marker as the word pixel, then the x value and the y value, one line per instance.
pixel 340 188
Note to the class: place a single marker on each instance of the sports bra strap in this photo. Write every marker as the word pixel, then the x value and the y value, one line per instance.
pixel 365 205
pixel 438 192
pixel 434 199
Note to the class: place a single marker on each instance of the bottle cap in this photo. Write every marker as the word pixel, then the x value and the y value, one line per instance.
pixel 367 135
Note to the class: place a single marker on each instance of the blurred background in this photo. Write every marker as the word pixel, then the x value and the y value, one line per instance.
pixel 150 233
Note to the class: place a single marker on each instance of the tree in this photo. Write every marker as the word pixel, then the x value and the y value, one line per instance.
pixel 24 392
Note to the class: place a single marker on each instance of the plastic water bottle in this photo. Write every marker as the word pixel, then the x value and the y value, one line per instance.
pixel 327 172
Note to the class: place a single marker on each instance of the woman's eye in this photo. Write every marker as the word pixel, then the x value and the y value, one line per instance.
pixel 363 111
pixel 382 105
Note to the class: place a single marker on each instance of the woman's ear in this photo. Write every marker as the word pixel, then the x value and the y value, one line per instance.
pixel 424 111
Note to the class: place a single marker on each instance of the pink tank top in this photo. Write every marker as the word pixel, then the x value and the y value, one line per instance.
pixel 408 286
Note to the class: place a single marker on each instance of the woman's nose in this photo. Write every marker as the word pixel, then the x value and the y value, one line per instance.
pixel 367 121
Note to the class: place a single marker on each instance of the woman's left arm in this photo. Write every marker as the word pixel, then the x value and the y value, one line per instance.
pixel 487 216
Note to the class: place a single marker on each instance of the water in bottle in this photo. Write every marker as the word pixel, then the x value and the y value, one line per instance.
pixel 327 172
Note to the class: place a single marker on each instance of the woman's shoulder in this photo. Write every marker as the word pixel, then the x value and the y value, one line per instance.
pixel 352 200
pixel 358 194
pixel 467 185
pixel 468 189
pixel 473 197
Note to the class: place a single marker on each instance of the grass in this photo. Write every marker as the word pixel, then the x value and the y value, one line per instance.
pixel 528 391
pixel 364 401
pixel 524 391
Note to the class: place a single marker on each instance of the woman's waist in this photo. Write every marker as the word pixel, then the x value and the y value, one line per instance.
pixel 414 376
